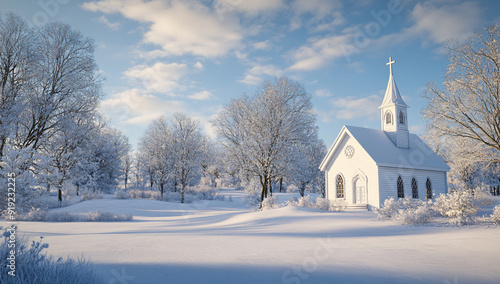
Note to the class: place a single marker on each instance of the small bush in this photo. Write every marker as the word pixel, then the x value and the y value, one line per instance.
pixel 338 205
pixel 458 206
pixel 90 195
pixel 121 194
pixel 407 211
pixel 103 216
pixel 482 197
pixel 270 203
pixel 33 265
pixel 59 216
pixel 321 204
pixel 495 217
pixel 305 201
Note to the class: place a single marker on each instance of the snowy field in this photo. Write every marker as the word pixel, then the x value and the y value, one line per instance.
pixel 223 242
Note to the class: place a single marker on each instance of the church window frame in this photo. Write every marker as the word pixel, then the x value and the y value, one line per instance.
pixel 414 188
pixel 340 186
pixel 428 189
pixel 401 117
pixel 388 117
pixel 400 188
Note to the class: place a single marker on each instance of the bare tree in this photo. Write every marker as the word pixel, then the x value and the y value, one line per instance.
pixel 258 132
pixel 468 106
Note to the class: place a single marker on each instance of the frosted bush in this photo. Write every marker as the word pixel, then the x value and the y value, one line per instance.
pixel 251 200
pixel 59 216
pixel 270 202
pixel 338 205
pixel 495 217
pixel 305 201
pixel 90 195
pixel 35 214
pixel 145 194
pixel 103 216
pixel 420 213
pixel 292 188
pixel 458 206
pixel 33 265
pixel 407 211
pixel 388 210
pixel 321 204
pixel 482 197
pixel 121 194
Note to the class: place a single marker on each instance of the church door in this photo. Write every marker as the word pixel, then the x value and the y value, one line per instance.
pixel 359 191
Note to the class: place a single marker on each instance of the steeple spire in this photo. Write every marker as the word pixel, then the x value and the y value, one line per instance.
pixel 393 113
pixel 392 95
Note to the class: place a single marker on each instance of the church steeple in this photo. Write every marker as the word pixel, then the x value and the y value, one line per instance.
pixel 394 112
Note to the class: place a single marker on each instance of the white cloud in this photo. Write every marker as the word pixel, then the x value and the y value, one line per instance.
pixel 323 93
pixel 325 15
pixel 104 20
pixel 446 21
pixel 204 95
pixel 262 45
pixel 255 74
pixel 136 108
pixel 249 7
pixel 351 107
pixel 160 77
pixel 319 51
pixel 179 27
pixel 198 65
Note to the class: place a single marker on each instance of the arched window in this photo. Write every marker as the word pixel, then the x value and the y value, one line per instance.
pixel 388 118
pixel 428 189
pixel 340 187
pixel 401 117
pixel 414 188
pixel 401 188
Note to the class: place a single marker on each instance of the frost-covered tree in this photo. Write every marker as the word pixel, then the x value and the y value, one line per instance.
pixel 189 144
pixel 468 105
pixel 156 149
pixel 258 132
pixel 304 162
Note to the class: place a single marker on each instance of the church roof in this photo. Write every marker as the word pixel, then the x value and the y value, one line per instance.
pixel 381 149
pixel 392 95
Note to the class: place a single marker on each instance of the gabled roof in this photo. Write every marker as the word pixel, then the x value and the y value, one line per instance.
pixel 384 153
pixel 392 95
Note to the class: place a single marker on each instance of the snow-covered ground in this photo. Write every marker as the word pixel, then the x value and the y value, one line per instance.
pixel 223 242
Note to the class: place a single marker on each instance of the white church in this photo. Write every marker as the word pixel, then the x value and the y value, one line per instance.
pixel 367 166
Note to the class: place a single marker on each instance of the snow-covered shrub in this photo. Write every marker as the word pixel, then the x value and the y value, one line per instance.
pixel 407 211
pixel 251 200
pixel 90 195
pixel 321 204
pixel 204 193
pixel 419 213
pixel 146 194
pixel 103 216
pixel 61 216
pixel 338 205
pixel 495 217
pixel 305 201
pixel 457 206
pixel 121 194
pixel 388 210
pixel 270 202
pixel 35 214
pixel 483 197
pixel 33 265
pixel 292 188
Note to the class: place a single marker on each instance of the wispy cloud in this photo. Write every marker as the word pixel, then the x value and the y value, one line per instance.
pixel 159 77
pixel 111 25
pixel 256 74
pixel 200 96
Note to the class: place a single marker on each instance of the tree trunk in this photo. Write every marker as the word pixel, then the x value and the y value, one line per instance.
pixel 182 193
pixel 281 184
pixel 302 189
pixel 161 190
pixel 270 182
pixel 77 189
pixel 59 195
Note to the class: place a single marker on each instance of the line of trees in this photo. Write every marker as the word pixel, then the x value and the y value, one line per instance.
pixel 463 117
pixel 51 132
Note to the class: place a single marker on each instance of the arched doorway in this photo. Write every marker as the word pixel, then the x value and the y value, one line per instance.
pixel 360 195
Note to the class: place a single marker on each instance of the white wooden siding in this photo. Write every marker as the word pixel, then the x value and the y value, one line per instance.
pixel 388 179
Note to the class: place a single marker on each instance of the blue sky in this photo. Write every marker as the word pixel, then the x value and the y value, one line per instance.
pixel 162 57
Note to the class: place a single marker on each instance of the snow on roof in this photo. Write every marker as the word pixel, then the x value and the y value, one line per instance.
pixel 392 95
pixel 385 153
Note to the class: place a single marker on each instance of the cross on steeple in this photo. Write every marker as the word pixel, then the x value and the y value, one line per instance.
pixel 390 64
